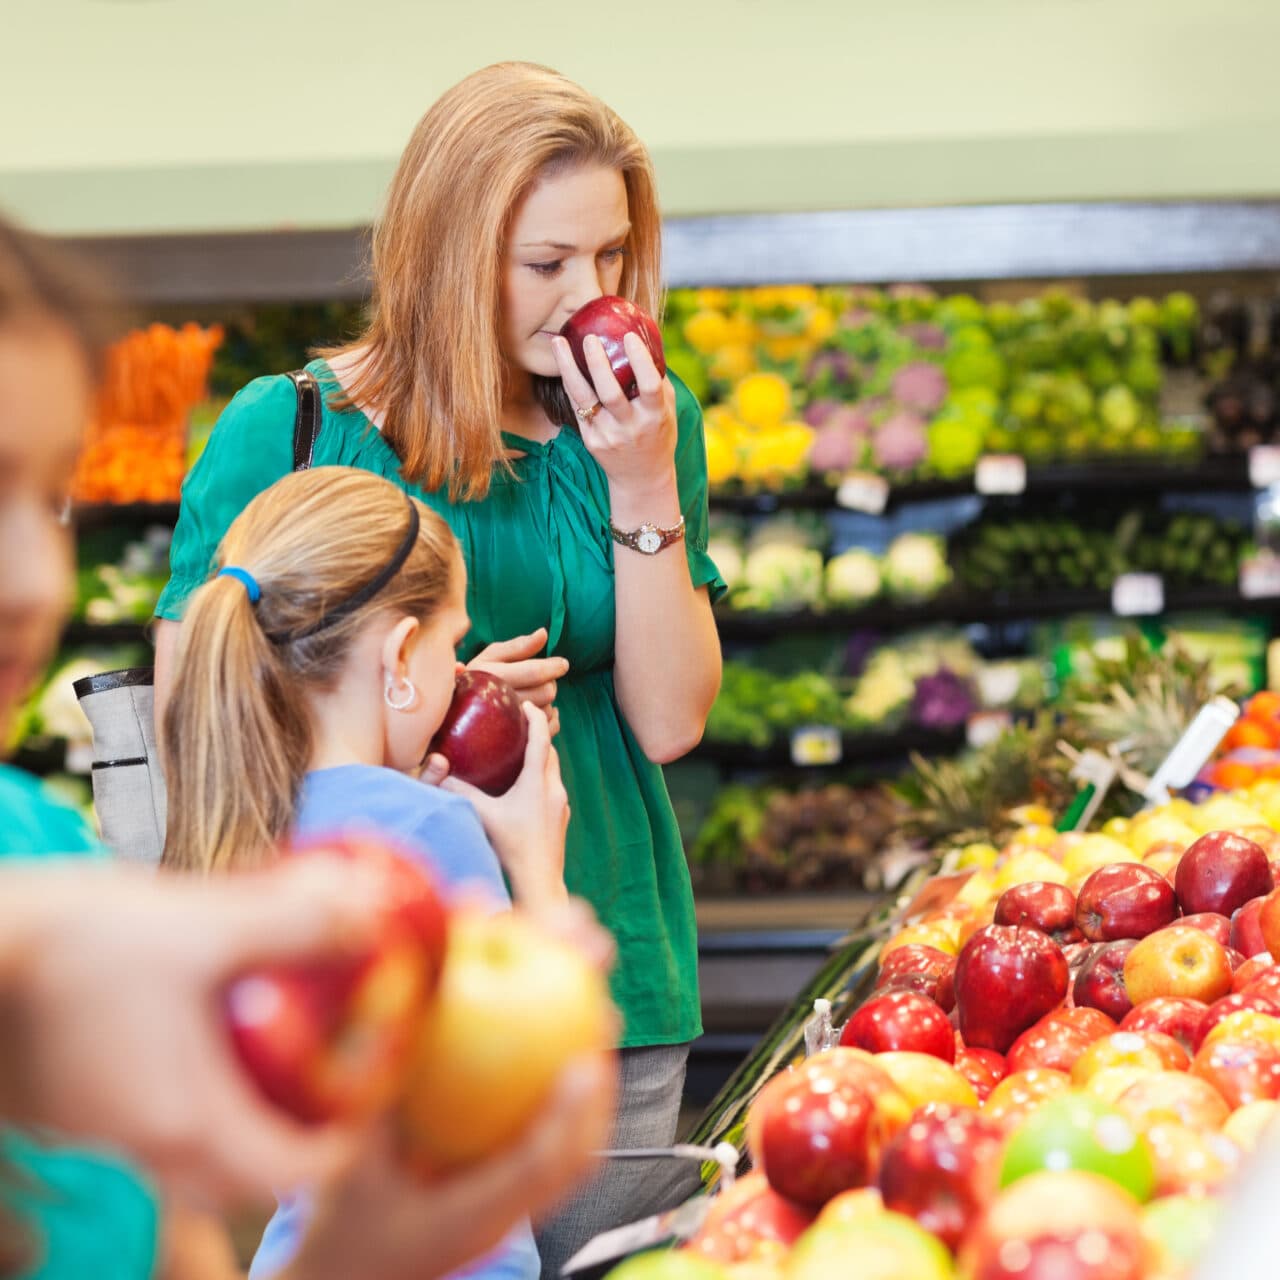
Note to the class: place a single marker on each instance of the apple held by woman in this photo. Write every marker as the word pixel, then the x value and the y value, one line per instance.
pixel 610 319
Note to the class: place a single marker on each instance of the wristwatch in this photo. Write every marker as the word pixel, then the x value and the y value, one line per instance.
pixel 648 539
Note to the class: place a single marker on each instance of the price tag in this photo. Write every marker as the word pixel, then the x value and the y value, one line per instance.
pixel 1260 577
pixel 863 491
pixel 1137 595
pixel 986 726
pixel 1000 473
pixel 1264 465
pixel 816 744
pixel 79 757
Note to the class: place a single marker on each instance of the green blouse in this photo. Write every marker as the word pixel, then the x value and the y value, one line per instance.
pixel 89 1214
pixel 538 553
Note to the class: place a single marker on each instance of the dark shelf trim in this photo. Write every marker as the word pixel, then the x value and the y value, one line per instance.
pixel 857 748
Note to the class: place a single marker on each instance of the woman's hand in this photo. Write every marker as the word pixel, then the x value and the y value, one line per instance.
pixel 634 441
pixel 110 1013
pixel 527 824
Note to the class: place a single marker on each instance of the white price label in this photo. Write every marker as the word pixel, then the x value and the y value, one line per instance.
pixel 1000 473
pixel 986 726
pixel 79 757
pixel 863 491
pixel 1137 595
pixel 1264 465
pixel 816 744
pixel 1260 577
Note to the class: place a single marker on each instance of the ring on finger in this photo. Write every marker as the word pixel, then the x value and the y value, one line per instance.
pixel 585 415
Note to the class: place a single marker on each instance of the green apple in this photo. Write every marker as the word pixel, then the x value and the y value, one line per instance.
pixel 878 1246
pixel 1078 1131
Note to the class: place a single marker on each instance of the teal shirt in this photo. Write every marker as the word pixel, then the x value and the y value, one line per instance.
pixel 90 1217
pixel 538 554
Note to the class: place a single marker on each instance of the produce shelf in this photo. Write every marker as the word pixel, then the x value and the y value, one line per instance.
pixel 1216 473
pixel 108 514
pixel 81 632
pixel 956 608
pixel 855 748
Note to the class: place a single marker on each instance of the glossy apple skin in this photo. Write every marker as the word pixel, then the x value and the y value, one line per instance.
pixel 1220 872
pixel 1050 1043
pixel 611 318
pixel 1246 929
pixel 920 968
pixel 1218 927
pixel 1007 979
pixel 1100 981
pixel 1191 1160
pixel 1177 1097
pixel 1021 1092
pixel 1243 1072
pixel 1043 905
pixel 901 1020
pixel 1176 1016
pixel 982 1068
pixel 746 1215
pixel 941 1170
pixel 1268 980
pixel 815 1134
pixel 1269 923
pixel 1124 900
pixel 484 733
pixel 1261 1001
pixel 330 1040
pixel 1150 1049
pixel 1177 961
pixel 1252 968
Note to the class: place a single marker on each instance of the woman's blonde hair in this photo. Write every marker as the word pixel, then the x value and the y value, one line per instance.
pixel 237 732
pixel 430 357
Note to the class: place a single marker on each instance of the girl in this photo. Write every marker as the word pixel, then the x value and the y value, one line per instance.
pixel 520 197
pixel 312 673
pixel 120 970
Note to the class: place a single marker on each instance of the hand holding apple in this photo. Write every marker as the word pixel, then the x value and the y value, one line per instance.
pixel 610 319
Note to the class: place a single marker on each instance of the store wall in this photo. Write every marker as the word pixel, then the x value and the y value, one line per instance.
pixel 129 115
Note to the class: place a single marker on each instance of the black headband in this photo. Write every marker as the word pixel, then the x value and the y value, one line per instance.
pixel 365 593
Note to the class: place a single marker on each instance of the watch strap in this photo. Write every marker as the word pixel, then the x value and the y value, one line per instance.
pixel 641 539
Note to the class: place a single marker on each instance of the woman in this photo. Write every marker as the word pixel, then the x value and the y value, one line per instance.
pixel 519 198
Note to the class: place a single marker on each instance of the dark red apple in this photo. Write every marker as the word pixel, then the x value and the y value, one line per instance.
pixel 901 1020
pixel 330 1039
pixel 1124 900
pixel 1218 927
pixel 1262 1001
pixel 1246 929
pixel 1176 1016
pixel 1100 981
pixel 816 1132
pixel 1052 1042
pixel 916 967
pixel 1046 906
pixel 1220 872
pixel 982 1068
pixel 1007 979
pixel 484 733
pixel 611 319
pixel 942 1170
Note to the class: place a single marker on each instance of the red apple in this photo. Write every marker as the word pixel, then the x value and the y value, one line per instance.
pixel 1021 1092
pixel 1007 979
pixel 1043 905
pixel 920 968
pixel 1174 1096
pixel 1177 961
pixel 611 319
pixel 901 1020
pixel 1052 1042
pixel 1190 1160
pixel 330 1039
pixel 1220 872
pixel 1246 931
pixel 1152 1050
pixel 1261 1001
pixel 1269 923
pixel 1100 982
pixel 1243 1072
pixel 1175 1016
pixel 942 1169
pixel 1093 1022
pixel 1236 959
pixel 1124 900
pixel 1218 927
pixel 745 1216
pixel 982 1068
pixel 815 1132
pixel 484 733
pixel 1251 969
pixel 1268 980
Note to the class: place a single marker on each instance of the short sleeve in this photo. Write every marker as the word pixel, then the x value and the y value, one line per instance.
pixel 249 449
pixel 691 479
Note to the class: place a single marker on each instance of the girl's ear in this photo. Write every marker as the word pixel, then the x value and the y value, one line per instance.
pixel 397 648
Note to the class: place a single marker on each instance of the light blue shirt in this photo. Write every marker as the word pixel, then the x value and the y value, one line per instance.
pixel 445 832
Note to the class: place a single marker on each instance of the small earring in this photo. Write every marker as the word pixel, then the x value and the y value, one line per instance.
pixel 410 697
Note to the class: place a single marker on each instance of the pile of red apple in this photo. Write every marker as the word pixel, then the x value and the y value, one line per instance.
pixel 458 1021
pixel 1056 1091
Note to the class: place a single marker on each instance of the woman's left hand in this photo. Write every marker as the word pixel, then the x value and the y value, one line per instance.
pixel 634 441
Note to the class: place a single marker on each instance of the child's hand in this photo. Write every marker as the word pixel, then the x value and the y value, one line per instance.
pixel 527 824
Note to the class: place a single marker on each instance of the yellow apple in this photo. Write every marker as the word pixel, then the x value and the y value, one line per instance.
pixel 1245 1124
pixel 924 1078
pixel 1095 851
pixel 1024 868
pixel 1108 1083
pixel 925 934
pixel 1246 1025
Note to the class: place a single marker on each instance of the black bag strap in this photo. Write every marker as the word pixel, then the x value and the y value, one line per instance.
pixel 306 425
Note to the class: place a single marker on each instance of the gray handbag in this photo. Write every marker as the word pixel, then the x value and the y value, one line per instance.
pixel 128 783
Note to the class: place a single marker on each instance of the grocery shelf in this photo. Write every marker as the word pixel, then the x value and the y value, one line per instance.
pixel 951 607
pixel 101 515
pixel 1216 473
pixel 80 632
pixel 855 748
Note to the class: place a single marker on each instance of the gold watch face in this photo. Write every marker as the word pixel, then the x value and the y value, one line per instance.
pixel 649 542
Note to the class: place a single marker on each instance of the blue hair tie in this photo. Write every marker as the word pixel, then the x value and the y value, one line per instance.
pixel 244 576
